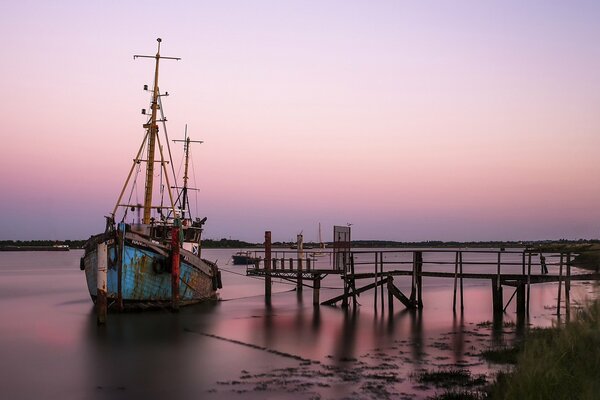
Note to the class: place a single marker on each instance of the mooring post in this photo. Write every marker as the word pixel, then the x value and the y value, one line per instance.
pixel 390 283
pixel 381 275
pixel 413 284
pixel 460 271
pixel 560 272
pixel 175 268
pixel 497 301
pixel 375 292
pixel 316 288
pixel 520 300
pixel 528 281
pixel 568 287
pixel 268 267
pixel 455 281
pixel 101 287
pixel 300 243
pixel 291 264
pixel 419 265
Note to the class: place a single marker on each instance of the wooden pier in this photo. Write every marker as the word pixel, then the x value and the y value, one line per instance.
pixel 361 271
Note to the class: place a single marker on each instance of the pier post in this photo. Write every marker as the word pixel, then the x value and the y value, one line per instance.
pixel 376 279
pixel 460 271
pixel 101 287
pixel 175 268
pixel 497 300
pixel 521 301
pixel 419 266
pixel 390 283
pixel 568 287
pixel 380 274
pixel 528 281
pixel 316 289
pixel 268 267
pixel 560 272
pixel 455 281
pixel 300 244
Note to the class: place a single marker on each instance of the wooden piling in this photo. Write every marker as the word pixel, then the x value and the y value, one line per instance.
pixel 101 287
pixel 560 272
pixel 460 266
pixel 381 274
pixel 300 244
pixel 455 281
pixel 497 300
pixel 376 278
pixel 390 282
pixel 316 289
pixel 419 266
pixel 175 268
pixel 520 300
pixel 528 282
pixel 268 267
pixel 568 287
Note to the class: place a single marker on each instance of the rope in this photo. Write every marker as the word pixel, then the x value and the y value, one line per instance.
pixel 280 282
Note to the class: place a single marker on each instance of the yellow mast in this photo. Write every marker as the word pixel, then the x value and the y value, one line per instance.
pixel 152 136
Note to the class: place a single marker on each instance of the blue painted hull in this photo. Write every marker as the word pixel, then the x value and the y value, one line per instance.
pixel 146 275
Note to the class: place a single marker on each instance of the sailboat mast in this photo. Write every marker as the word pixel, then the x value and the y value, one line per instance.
pixel 152 132
pixel 152 136
pixel 185 173
pixel 184 190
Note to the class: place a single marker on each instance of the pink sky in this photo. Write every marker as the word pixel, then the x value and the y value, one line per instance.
pixel 410 120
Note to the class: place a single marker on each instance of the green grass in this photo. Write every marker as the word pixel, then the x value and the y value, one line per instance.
pixel 557 363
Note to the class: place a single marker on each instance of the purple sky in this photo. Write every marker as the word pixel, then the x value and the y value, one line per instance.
pixel 411 120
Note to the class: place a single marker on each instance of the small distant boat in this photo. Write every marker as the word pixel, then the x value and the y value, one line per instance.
pixel 155 260
pixel 244 258
pixel 319 253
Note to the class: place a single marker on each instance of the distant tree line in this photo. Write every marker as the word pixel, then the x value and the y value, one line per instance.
pixel 234 243
pixel 73 244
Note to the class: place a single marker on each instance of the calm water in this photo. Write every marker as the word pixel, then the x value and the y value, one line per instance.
pixel 51 348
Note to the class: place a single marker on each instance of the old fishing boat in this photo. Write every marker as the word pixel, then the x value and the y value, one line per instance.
pixel 156 259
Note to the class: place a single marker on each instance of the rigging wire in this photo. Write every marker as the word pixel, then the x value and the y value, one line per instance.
pixel 164 123
pixel 195 186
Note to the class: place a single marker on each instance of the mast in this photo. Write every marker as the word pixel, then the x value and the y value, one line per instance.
pixel 152 128
pixel 184 195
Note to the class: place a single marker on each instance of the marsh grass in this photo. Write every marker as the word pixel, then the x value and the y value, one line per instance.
pixel 557 363
pixel 503 355
pixel 450 378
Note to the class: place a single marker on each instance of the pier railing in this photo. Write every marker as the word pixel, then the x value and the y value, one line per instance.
pixel 513 268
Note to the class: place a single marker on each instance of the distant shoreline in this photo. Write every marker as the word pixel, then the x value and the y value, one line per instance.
pixel 59 245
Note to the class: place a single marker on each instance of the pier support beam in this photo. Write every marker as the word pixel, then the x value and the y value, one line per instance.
pixel 416 295
pixel 497 301
pixel 268 267
pixel 101 287
pixel 521 309
pixel 316 289
pixel 300 244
